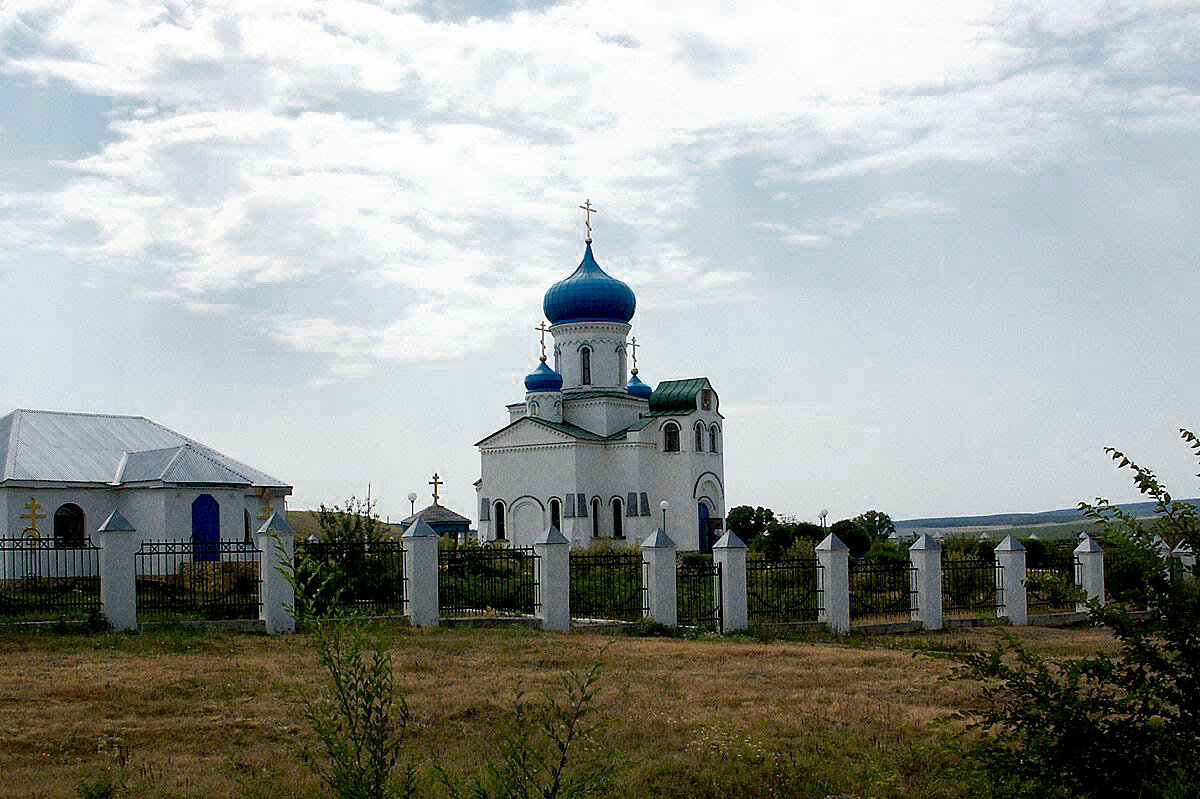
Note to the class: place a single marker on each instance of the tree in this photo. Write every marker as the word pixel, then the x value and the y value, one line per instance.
pixel 877 524
pixel 354 522
pixel 1120 725
pixel 749 523
pixel 853 535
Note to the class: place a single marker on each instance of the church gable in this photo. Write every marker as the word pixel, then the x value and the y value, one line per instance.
pixel 527 431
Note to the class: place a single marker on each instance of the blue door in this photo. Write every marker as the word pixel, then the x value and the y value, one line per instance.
pixel 705 544
pixel 206 529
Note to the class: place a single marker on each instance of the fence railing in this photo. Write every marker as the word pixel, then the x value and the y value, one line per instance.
pixel 784 590
pixel 698 593
pixel 607 585
pixel 360 577
pixel 477 582
pixel 39 582
pixel 971 588
pixel 882 591
pixel 209 580
pixel 1050 585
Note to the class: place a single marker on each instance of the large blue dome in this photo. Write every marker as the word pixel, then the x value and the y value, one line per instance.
pixel 589 295
pixel 543 378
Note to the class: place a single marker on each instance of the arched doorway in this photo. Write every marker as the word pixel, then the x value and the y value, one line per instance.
pixel 705 545
pixel 206 529
pixel 68 527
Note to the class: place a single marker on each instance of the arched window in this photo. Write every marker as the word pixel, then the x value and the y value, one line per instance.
pixel 596 517
pixel 670 437
pixel 699 437
pixel 498 520
pixel 533 408
pixel 618 518
pixel 712 438
pixel 556 514
pixel 585 366
pixel 247 534
pixel 68 527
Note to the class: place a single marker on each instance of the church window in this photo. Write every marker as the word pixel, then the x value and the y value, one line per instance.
pixel 485 510
pixel 631 504
pixel 533 408
pixel 706 400
pixel 671 437
pixel 498 522
pixel 246 533
pixel 585 364
pixel 596 517
pixel 644 504
pixel 712 438
pixel 68 527
pixel 556 514
pixel 618 522
pixel 581 504
pixel 699 437
pixel 570 506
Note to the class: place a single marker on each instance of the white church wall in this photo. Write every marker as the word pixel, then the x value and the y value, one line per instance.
pixel 543 471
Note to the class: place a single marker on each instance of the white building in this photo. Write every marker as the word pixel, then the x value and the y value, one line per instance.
pixel 593 451
pixel 62 474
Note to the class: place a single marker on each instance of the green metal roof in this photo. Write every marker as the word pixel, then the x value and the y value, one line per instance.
pixel 676 395
pixel 597 393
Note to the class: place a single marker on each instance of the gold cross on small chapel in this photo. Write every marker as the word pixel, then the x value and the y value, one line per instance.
pixel 542 327
pixel 588 210
pixel 435 482
pixel 267 508
pixel 33 506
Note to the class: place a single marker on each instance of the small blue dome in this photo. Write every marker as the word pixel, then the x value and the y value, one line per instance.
pixel 639 389
pixel 543 378
pixel 589 295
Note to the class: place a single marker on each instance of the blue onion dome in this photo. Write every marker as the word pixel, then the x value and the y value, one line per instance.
pixel 589 295
pixel 637 388
pixel 543 378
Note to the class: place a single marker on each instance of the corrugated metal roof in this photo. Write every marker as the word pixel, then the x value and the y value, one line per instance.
pixel 436 514
pixel 58 447
pixel 677 395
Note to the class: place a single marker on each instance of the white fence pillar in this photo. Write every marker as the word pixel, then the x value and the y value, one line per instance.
pixel 1090 574
pixel 276 542
pixel 834 557
pixel 730 554
pixel 420 543
pixel 554 580
pixel 658 554
pixel 118 580
pixel 1010 556
pixel 1186 559
pixel 925 554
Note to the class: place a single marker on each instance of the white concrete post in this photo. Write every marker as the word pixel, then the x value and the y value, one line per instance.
pixel 1010 556
pixel 925 554
pixel 554 580
pixel 834 557
pixel 276 542
pixel 1091 571
pixel 118 579
pixel 730 554
pixel 658 553
pixel 1187 559
pixel 420 543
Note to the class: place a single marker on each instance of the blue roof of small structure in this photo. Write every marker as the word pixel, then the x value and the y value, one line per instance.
pixel 589 295
pixel 543 378
pixel 639 389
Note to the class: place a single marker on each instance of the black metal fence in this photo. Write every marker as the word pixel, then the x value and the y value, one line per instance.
pixel 971 587
pixel 210 580
pixel 698 593
pixel 39 582
pixel 359 577
pixel 882 591
pixel 477 581
pixel 1049 585
pixel 791 589
pixel 607 585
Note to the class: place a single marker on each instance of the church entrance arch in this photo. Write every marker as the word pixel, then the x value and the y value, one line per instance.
pixel 206 529
pixel 705 530
pixel 526 522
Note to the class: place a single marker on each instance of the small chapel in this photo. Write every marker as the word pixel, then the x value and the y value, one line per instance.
pixel 592 449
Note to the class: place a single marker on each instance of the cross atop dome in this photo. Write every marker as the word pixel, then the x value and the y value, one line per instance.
pixel 588 210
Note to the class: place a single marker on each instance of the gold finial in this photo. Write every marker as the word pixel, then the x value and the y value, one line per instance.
pixel 435 482
pixel 587 218
pixel 633 345
pixel 33 506
pixel 542 327
pixel 267 508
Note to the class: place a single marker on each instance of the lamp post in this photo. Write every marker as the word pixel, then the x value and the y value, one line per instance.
pixel 824 513
pixel 664 505
pixel 412 502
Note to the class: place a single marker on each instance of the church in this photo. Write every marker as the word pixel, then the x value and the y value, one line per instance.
pixel 592 449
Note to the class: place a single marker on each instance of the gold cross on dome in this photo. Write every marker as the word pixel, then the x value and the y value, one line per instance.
pixel 435 482
pixel 267 509
pixel 633 345
pixel 542 327
pixel 588 210
pixel 33 506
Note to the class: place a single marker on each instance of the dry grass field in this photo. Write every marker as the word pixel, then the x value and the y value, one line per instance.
pixel 188 714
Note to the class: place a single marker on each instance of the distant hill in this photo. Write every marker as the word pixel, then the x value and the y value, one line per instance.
pixel 304 522
pixel 1064 516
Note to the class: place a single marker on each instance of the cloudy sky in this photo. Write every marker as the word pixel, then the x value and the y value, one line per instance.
pixel 933 256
